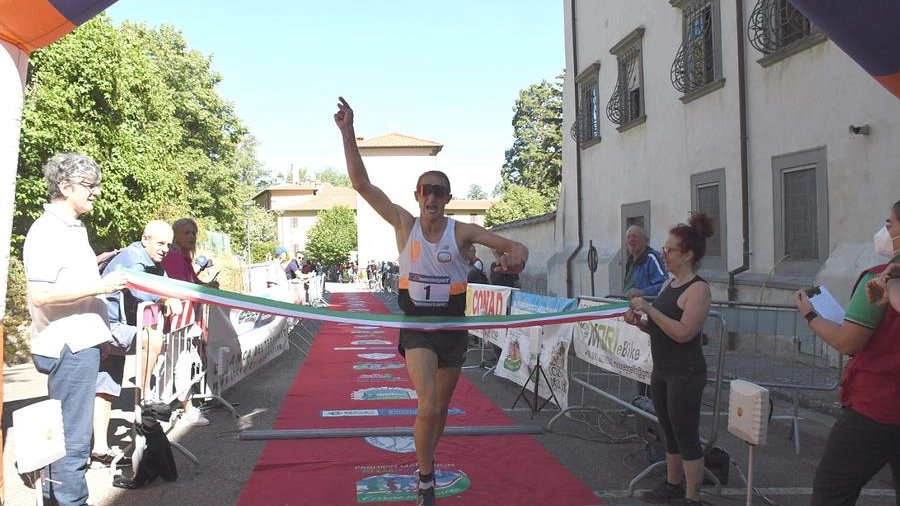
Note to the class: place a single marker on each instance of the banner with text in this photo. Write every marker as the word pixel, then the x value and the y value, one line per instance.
pixel 241 342
pixel 521 346
pixel 487 300
pixel 613 345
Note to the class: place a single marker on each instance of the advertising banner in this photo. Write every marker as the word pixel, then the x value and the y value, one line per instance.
pixel 487 300
pixel 521 346
pixel 614 346
pixel 241 342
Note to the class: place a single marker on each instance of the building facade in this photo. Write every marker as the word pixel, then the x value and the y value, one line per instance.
pixel 742 109
pixel 296 207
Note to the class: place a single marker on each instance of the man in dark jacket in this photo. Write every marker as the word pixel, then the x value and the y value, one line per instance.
pixel 645 274
pixel 644 270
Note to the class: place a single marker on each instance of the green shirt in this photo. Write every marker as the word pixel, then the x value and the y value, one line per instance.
pixel 862 312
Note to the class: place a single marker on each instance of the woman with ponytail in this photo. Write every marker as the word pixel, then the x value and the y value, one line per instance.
pixel 674 321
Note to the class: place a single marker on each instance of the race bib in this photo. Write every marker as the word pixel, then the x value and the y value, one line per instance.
pixel 426 290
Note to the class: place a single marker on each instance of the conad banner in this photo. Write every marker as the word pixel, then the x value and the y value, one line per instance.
pixel 240 342
pixel 614 345
pixel 521 346
pixel 487 300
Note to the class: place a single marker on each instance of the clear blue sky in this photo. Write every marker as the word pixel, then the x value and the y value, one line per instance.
pixel 447 71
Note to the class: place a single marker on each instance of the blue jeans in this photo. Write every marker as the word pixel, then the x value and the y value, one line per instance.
pixel 857 448
pixel 71 379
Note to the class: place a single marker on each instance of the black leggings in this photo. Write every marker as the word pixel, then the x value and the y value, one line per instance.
pixel 677 400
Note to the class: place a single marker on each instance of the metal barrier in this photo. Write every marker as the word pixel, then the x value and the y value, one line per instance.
pixel 612 387
pixel 139 380
pixel 771 345
pixel 393 283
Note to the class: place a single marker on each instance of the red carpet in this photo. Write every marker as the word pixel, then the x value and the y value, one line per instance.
pixel 471 470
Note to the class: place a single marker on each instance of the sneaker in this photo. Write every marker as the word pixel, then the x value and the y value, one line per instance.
pixel 99 461
pixel 425 497
pixel 665 493
pixel 691 502
pixel 194 418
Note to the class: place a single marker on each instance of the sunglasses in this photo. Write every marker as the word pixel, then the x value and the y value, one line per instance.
pixel 437 190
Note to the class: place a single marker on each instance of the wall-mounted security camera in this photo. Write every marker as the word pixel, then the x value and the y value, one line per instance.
pixel 859 130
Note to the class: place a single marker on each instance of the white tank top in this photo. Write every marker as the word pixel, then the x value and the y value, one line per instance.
pixel 433 275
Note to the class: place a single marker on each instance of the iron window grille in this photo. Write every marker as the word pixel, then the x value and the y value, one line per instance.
pixel 626 103
pixel 587 122
pixel 695 63
pixel 776 24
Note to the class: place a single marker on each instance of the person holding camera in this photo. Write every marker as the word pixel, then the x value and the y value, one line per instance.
pixel 866 435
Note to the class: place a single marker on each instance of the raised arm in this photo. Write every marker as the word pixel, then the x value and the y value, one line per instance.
pixel 372 194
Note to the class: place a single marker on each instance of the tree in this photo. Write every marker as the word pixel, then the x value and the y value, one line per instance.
pixel 331 176
pixel 518 202
pixel 210 134
pixel 302 175
pixel 476 193
pixel 535 158
pixel 333 236
pixel 93 92
pixel 143 105
pixel 263 234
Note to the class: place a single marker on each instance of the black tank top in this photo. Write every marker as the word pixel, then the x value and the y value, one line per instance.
pixel 669 356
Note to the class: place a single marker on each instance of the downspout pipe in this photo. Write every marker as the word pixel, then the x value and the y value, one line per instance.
pixel 570 261
pixel 745 169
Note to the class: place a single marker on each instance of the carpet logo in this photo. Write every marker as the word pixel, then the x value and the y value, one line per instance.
pixel 363 348
pixel 337 413
pixel 379 377
pixel 395 444
pixel 383 394
pixel 360 342
pixel 375 366
pixel 392 487
pixel 377 356
pixel 366 332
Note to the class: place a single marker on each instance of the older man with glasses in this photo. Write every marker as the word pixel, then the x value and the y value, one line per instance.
pixel 68 319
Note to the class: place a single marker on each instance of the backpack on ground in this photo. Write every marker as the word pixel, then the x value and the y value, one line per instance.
pixel 152 456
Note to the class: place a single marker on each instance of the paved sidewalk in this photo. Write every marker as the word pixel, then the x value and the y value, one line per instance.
pixel 599 448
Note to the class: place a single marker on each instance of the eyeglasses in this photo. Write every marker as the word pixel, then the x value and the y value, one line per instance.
pixel 439 191
pixel 666 250
pixel 91 186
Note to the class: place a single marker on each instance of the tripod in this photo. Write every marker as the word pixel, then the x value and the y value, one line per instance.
pixel 536 374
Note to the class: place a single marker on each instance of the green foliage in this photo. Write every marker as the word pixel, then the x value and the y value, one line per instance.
pixel 302 175
pixel 535 158
pixel 16 320
pixel 331 176
pixel 518 202
pixel 333 236
pixel 144 105
pixel 476 193
pixel 263 234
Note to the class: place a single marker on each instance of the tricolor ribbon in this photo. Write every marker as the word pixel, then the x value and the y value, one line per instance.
pixel 198 293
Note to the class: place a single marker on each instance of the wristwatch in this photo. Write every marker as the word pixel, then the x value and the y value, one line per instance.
pixel 810 315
